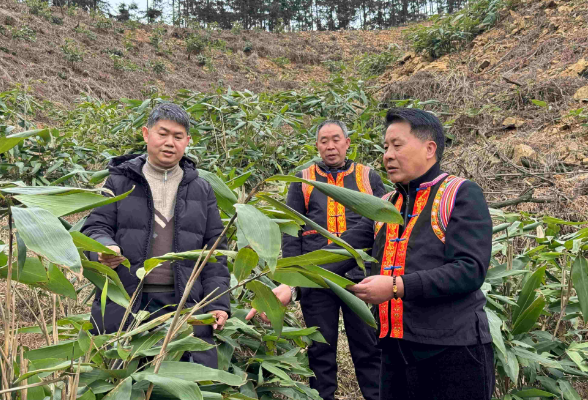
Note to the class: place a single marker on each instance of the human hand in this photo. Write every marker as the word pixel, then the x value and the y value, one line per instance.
pixel 377 289
pixel 111 260
pixel 221 318
pixel 283 293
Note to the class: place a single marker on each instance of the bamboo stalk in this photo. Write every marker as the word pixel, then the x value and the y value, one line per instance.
pixel 41 326
pixel 32 385
pixel 23 370
pixel 54 320
pixel 41 313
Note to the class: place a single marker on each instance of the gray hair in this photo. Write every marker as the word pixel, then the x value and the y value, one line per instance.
pixel 340 124
pixel 169 112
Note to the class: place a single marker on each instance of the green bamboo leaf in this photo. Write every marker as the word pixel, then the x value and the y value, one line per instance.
pixel 527 319
pixel 528 293
pixel 99 176
pixel 88 395
pixel 364 204
pixel 22 253
pixel 117 295
pixel 580 282
pixel 85 243
pixel 261 232
pixel 122 391
pixel 266 301
pixel 179 388
pixel 67 204
pixel 525 393
pixel 10 141
pixel 43 233
pixel 189 343
pixel 103 299
pixel 298 277
pixel 355 304
pixel 197 373
pixel 225 197
pixel 496 331
pixel 304 220
pixel 568 390
pixel 246 260
pixel 271 367
pixel 35 274
pixel 84 340
pixel 59 367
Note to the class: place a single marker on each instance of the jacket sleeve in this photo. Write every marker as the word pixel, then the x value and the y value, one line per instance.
pixel 101 223
pixel 359 237
pixel 468 247
pixel 378 188
pixel 215 274
pixel 292 246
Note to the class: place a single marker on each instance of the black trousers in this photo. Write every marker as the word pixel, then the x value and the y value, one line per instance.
pixel 457 373
pixel 155 303
pixel 320 307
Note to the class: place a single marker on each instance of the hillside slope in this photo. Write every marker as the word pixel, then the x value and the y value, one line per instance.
pixel 517 103
pixel 133 60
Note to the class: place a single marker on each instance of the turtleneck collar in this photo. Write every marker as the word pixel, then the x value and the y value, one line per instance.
pixel 326 168
pixel 160 173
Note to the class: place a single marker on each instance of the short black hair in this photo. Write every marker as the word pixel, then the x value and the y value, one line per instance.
pixel 423 125
pixel 169 112
pixel 340 124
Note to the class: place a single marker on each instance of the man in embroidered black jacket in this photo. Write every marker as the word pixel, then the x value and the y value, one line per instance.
pixel 320 307
pixel 433 329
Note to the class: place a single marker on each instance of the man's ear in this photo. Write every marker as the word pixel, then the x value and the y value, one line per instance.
pixel 431 149
pixel 145 134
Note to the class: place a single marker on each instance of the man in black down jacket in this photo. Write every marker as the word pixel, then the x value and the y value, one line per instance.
pixel 171 209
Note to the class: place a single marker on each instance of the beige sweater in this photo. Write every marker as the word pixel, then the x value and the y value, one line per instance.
pixel 164 187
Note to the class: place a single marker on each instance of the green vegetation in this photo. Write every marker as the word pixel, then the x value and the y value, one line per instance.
pixel 373 65
pixel 452 32
pixel 72 52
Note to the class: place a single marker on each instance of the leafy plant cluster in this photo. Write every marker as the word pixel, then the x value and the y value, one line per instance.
pixel 451 32
pixel 375 64
pixel 25 33
pixel 72 53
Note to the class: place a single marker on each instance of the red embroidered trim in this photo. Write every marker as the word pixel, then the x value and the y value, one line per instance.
pixel 313 232
pixel 378 225
pixel 309 175
pixel 433 182
pixel 336 221
pixel 443 205
pixel 362 176
pixel 395 256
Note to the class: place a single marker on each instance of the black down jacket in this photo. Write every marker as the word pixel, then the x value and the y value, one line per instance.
pixel 129 224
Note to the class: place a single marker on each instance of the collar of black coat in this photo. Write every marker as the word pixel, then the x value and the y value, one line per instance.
pixel 131 165
pixel 327 169
pixel 427 177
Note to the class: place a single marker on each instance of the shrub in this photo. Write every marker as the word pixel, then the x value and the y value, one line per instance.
pixel 40 8
pixel 248 47
pixel 104 24
pixel 281 61
pixel 202 60
pixel 111 51
pixel 56 20
pixel 375 64
pixel 71 52
pixel 236 28
pixel 25 33
pixel 156 38
pixel 158 67
pixel 335 67
pixel 87 33
pixel 10 21
pixel 195 44
pixel 452 32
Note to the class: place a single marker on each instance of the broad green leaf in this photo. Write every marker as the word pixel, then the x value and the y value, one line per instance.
pixel 298 277
pixel 189 343
pixel 266 301
pixel 151 263
pixel 59 367
pixel 578 359
pixel 84 340
pixel 333 277
pixel 103 298
pixel 317 257
pixel 120 297
pixel 355 304
pixel 179 388
pixel 525 393
pixel 122 391
pixel 35 274
pixel 246 260
pixel 225 197
pixel 539 103
pixel 271 367
pixel 364 204
pixel 303 220
pixel 527 294
pixel 22 253
pixel 541 359
pixel 495 323
pixel 10 141
pixel 88 395
pixel 568 390
pixel 197 373
pixel 261 232
pixel 202 319
pixel 67 204
pixel 43 233
pixel 64 350
pixel 580 281
pixel 99 176
pixel 526 321
pixel 104 270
